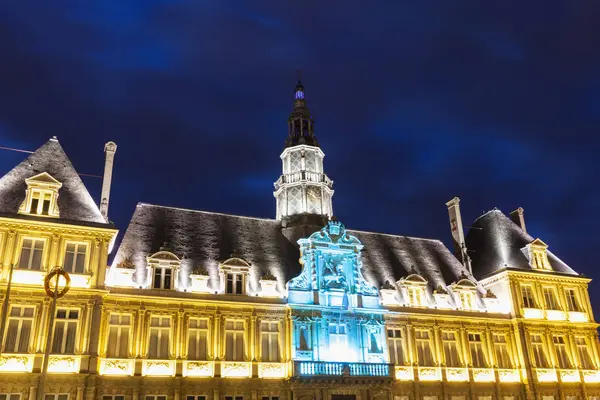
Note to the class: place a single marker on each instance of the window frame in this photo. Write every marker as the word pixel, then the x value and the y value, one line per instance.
pixel 160 329
pixel 456 348
pixel 473 349
pixel 392 342
pixel 497 345
pixel 575 300
pixel 561 351
pixel 197 330
pixel 119 334
pixel 541 345
pixel 236 334
pixel 534 302
pixel 163 275
pixel 553 296
pixel 429 347
pixel 272 337
pixel 86 258
pixel 20 250
pixel 66 322
pixel 588 351
pixel 19 318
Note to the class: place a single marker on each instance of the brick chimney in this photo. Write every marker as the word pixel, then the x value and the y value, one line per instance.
pixel 517 217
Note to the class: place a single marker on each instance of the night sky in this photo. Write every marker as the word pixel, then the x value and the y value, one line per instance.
pixel 415 102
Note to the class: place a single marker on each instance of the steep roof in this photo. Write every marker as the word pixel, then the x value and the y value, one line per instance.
pixel 495 242
pixel 74 201
pixel 206 238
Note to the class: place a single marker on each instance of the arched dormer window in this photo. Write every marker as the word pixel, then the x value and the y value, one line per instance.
pixel 466 293
pixel 233 274
pixel 163 268
pixel 537 252
pixel 414 287
pixel 41 196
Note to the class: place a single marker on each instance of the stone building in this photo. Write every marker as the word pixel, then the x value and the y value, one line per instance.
pixel 206 306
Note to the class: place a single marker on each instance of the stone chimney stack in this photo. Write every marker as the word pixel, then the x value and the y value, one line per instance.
pixel 517 217
pixel 458 234
pixel 110 148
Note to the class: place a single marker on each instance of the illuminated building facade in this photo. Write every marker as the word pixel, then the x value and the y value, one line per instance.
pixel 205 306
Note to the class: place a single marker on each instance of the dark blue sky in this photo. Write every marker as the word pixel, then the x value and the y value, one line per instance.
pixel 415 102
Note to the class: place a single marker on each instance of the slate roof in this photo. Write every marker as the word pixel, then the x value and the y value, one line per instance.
pixel 74 201
pixel 494 242
pixel 206 238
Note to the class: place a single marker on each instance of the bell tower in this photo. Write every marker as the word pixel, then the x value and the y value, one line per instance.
pixel 303 191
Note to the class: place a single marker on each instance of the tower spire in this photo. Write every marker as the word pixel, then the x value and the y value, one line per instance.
pixel 300 123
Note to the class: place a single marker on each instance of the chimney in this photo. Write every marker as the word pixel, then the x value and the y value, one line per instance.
pixel 110 148
pixel 458 234
pixel 518 218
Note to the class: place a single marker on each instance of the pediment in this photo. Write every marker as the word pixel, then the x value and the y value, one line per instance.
pixel 538 243
pixel 43 178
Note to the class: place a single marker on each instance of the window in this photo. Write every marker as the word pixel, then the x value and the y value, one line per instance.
pixel 550 298
pixel 235 283
pixel 337 338
pixel 195 397
pixel 10 396
pixel 547 397
pixel 450 349
pixel 40 202
pixel 373 344
pixel 154 397
pixel 539 355
pixel 234 341
pixel 75 255
pixel 467 300
pixel 162 277
pixel 269 339
pixel 424 354
pixel 572 303
pixel 114 397
pixel 65 331
pixel 416 296
pixel 197 339
pixel 52 396
pixel 527 296
pixel 118 336
pixel 303 342
pixel 160 332
pixel 430 398
pixel 270 397
pixel 561 352
pixel 234 397
pixel 18 333
pixel 396 346
pixel 584 354
pixel 31 254
pixel 476 349
pixel 501 351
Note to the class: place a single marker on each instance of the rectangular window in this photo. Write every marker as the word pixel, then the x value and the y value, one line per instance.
pixel 75 255
pixel 18 332
pixel 467 300
pixel 162 278
pixel 235 284
pixel 572 303
pixel 396 346
pixel 234 397
pixel 202 397
pixel 65 331
pixel 53 396
pixel 539 355
pixel 476 349
pixel 154 397
pixel 114 397
pixel 270 398
pixel 450 349
pixel 584 354
pixel 40 202
pixel 527 296
pixel 550 299
pixel 31 254
pixel 119 326
pixel 269 341
pixel 424 353
pixel 197 339
pixel 416 296
pixel 561 352
pixel 337 337
pixel 234 341
pixel 501 351
pixel 10 396
pixel 160 333
pixel 304 342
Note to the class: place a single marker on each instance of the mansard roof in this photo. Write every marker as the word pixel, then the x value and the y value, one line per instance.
pixel 74 201
pixel 204 239
pixel 495 242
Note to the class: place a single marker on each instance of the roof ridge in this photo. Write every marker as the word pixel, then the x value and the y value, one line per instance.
pixel 395 235
pixel 489 212
pixel 142 204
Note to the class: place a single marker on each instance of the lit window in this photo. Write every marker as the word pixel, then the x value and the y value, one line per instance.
pixel 467 300
pixel 41 196
pixel 269 338
pixel 235 283
pixel 195 397
pixel 450 349
pixel 234 397
pixel 572 303
pixel 154 397
pixel 119 326
pixel 424 353
pixel 561 352
pixel 303 343
pixel 75 255
pixel 584 353
pixel 538 255
pixel 539 354
pixel 338 341
pixel 550 299
pixel 527 297
pixel 396 346
pixel 31 254
pixel 234 341
pixel 18 333
pixel 270 397
pixel 52 396
pixel 160 333
pixel 416 296
pixel 501 351
pixel 10 396
pixel 65 331
pixel 197 339
pixel 476 350
pixel 162 277
pixel 114 397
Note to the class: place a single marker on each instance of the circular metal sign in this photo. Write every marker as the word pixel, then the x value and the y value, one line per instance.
pixel 58 272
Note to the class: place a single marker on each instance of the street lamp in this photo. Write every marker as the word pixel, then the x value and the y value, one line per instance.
pixel 56 273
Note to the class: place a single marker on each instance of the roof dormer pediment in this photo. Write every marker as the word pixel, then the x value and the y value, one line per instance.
pixel 44 179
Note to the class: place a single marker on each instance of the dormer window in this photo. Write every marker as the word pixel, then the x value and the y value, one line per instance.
pixel 234 276
pixel 537 252
pixel 163 269
pixel 466 293
pixel 41 197
pixel 413 287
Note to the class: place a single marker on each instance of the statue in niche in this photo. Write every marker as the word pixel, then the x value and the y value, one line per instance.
pixel 333 275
